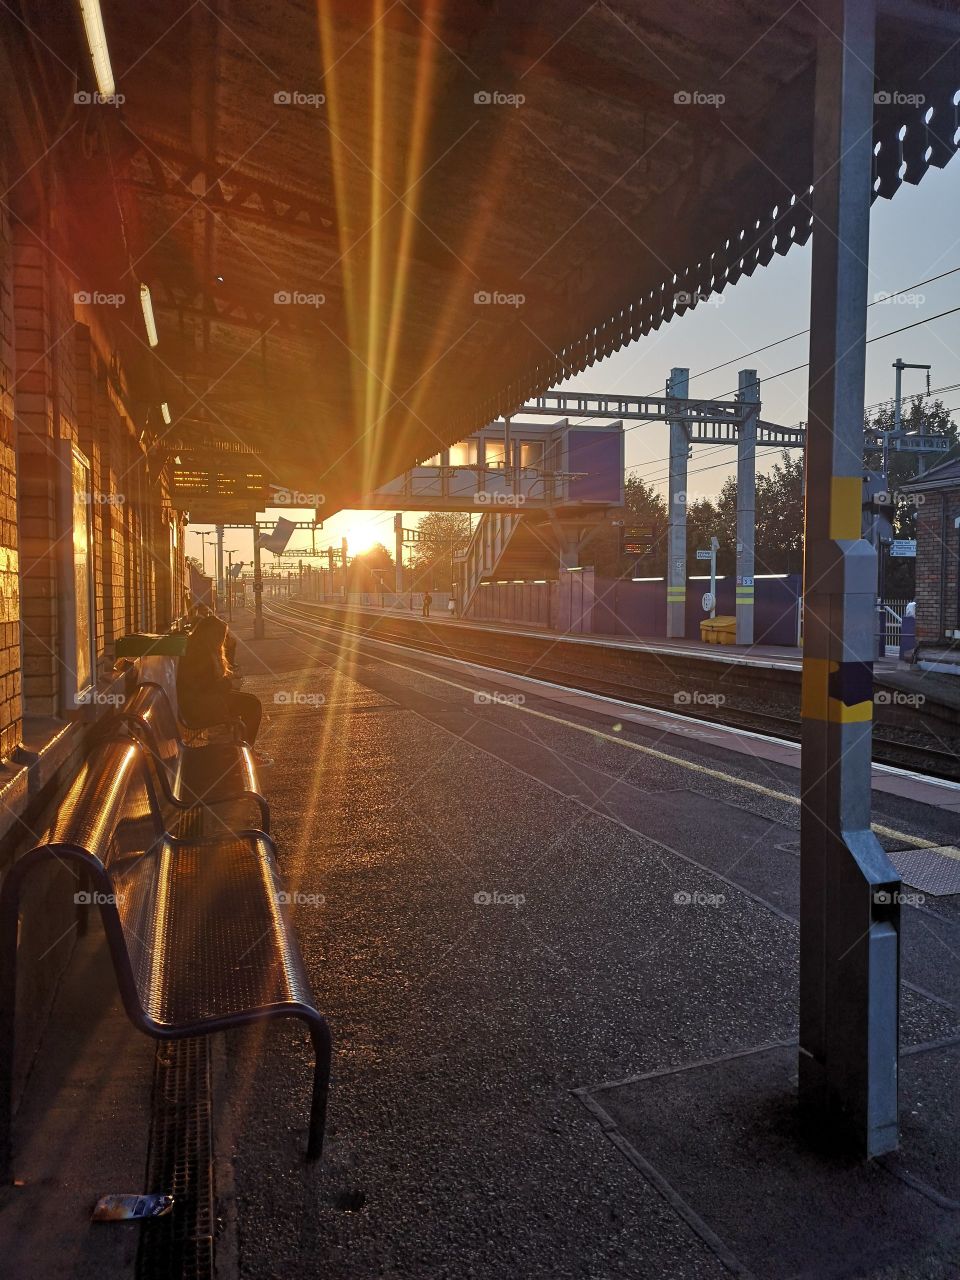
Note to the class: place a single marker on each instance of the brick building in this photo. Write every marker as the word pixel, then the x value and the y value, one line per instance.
pixel 91 546
pixel 938 552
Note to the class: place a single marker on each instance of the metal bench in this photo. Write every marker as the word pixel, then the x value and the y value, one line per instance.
pixel 211 773
pixel 198 929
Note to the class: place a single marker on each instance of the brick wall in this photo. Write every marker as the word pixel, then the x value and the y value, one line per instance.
pixel 10 709
pixel 66 389
pixel 937 564
pixel 35 322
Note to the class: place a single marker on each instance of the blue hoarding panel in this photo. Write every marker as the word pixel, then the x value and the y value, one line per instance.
pixel 600 455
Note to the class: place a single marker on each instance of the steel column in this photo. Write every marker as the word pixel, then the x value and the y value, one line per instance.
pixel 677 387
pixel 398 546
pixel 749 394
pixel 849 913
pixel 257 586
pixel 220 586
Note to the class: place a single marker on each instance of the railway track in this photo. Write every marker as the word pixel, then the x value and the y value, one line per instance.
pixel 919 750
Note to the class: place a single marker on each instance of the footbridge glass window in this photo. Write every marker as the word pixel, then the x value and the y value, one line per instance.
pixel 494 453
pixel 531 454
pixel 463 454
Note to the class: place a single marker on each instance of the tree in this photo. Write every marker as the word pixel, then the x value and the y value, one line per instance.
pixel 442 535
pixel 779 521
pixel 642 506
pixel 375 557
pixel 703 523
pixel 369 568
pixel 779 547
pixel 918 415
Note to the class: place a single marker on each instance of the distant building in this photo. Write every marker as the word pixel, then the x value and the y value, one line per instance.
pixel 938 552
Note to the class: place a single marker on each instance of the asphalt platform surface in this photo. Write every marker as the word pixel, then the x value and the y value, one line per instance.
pixel 524 929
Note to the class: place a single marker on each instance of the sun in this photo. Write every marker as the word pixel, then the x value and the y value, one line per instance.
pixel 363 531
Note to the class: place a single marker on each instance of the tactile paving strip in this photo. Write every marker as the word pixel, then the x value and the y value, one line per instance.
pixel 934 871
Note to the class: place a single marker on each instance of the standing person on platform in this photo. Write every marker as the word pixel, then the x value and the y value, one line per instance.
pixel 205 689
pixel 427 602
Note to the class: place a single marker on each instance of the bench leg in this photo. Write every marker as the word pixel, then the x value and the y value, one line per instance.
pixel 323 1049
pixel 264 815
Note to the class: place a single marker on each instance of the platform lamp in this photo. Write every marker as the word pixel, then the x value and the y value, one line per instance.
pixel 149 320
pixel 97 44
pixel 204 538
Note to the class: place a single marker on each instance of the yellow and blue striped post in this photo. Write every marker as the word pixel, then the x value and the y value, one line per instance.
pixel 849 892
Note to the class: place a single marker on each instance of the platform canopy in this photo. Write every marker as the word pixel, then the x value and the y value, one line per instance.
pixel 370 228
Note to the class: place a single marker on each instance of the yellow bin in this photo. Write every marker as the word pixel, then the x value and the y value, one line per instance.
pixel 719 630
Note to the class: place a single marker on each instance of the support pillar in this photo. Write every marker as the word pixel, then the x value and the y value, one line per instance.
pixel 678 387
pixel 398 537
pixel 569 546
pixel 257 586
pixel 749 395
pixel 221 589
pixel 849 892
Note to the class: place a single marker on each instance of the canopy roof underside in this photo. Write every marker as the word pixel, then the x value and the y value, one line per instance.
pixel 368 229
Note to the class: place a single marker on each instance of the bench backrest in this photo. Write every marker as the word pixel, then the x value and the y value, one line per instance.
pixel 160 669
pixel 114 818
pixel 150 708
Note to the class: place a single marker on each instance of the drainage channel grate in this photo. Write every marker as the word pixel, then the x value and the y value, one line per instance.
pixel 180 1246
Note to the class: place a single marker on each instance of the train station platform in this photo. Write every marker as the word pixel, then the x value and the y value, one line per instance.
pixel 764 656
pixel 556 948
pixel 558 951
pixel 758 686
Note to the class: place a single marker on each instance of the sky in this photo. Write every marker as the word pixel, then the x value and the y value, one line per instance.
pixel 913 237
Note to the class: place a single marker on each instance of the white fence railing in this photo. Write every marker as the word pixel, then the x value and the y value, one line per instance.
pixel 894 610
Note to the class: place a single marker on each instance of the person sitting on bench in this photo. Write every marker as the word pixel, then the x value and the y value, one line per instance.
pixel 205 689
pixel 200 610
